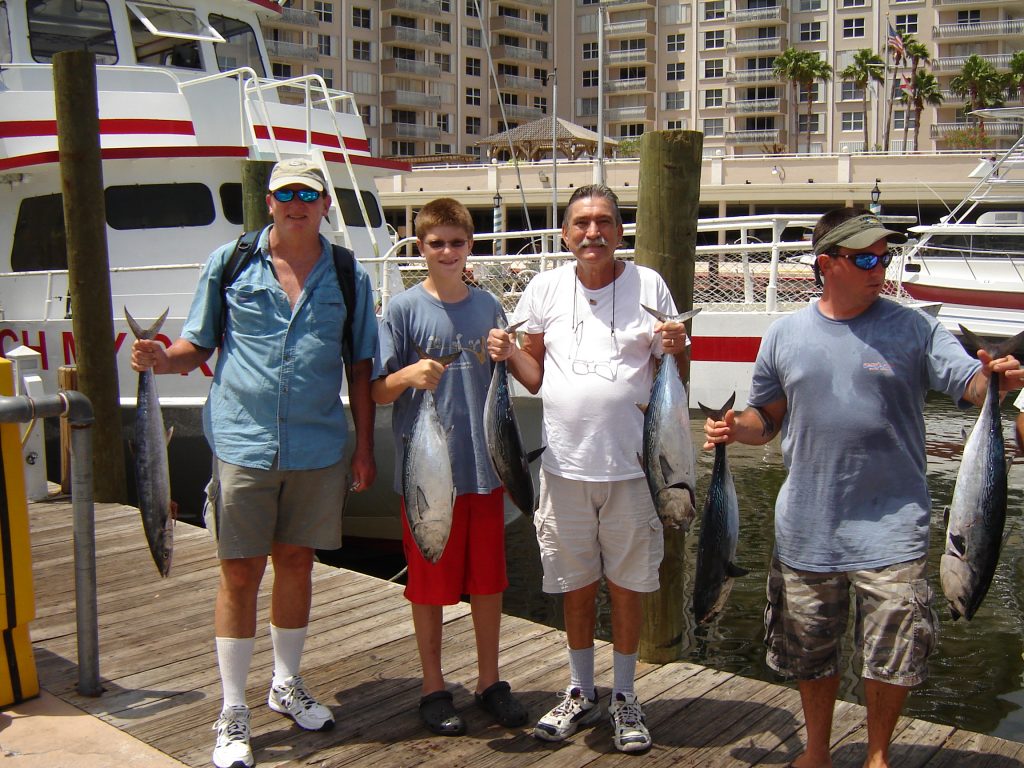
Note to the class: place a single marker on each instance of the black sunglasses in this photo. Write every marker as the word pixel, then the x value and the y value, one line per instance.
pixel 305 195
pixel 866 261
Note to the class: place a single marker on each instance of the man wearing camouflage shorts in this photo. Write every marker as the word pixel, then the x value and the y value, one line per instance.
pixel 843 381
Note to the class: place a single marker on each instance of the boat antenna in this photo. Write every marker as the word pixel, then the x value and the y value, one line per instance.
pixel 504 120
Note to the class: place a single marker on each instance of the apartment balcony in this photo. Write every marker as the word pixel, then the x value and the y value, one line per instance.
pixel 950 99
pixel 765 75
pixel 410 36
pixel 409 99
pixel 1000 61
pixel 529 3
pixel 638 56
pixel 412 67
pixel 431 8
pixel 629 114
pixel 634 28
pixel 769 137
pixel 758 45
pixel 519 26
pixel 519 83
pixel 298 18
pixel 630 85
pixel 972 3
pixel 282 50
pixel 777 14
pixel 992 128
pixel 516 53
pixel 410 131
pixel 756 106
pixel 982 30
pixel 518 112
pixel 624 5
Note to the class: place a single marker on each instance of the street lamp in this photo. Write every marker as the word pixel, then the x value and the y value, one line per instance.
pixel 499 224
pixel 876 193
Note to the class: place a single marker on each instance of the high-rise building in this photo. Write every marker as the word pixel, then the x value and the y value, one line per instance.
pixel 433 77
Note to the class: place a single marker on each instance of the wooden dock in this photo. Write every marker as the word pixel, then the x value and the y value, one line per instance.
pixel 159 671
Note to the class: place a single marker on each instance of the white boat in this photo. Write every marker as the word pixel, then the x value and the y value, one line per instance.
pixel 972 261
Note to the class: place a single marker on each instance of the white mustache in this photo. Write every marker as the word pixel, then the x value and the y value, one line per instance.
pixel 587 243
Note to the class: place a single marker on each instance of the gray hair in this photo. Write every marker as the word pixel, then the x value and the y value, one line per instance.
pixel 593 190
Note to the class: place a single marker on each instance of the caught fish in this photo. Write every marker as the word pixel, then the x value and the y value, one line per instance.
pixel 427 483
pixel 977 512
pixel 719 533
pixel 152 476
pixel 668 458
pixel 505 441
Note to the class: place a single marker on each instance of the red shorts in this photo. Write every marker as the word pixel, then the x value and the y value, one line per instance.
pixel 473 562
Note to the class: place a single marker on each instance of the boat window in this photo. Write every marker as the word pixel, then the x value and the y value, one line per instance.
pixel 240 48
pixel 350 207
pixel 156 206
pixel 39 241
pixel 161 51
pixel 5 34
pixel 70 25
pixel 231 202
pixel 166 20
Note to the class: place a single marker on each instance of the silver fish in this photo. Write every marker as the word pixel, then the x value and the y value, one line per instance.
pixel 427 483
pixel 719 533
pixel 152 476
pixel 505 441
pixel 977 512
pixel 668 458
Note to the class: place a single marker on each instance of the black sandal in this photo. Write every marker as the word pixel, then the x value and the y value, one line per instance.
pixel 437 711
pixel 499 702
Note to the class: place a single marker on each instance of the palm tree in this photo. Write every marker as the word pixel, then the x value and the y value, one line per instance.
pixel 1016 77
pixel 802 69
pixel 924 91
pixel 866 66
pixel 916 53
pixel 979 85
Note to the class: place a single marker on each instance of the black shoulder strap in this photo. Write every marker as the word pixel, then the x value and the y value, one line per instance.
pixel 344 265
pixel 233 268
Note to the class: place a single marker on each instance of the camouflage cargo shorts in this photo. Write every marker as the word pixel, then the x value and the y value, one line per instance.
pixel 807 614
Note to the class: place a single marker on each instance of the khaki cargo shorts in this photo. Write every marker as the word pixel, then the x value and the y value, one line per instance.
pixel 895 626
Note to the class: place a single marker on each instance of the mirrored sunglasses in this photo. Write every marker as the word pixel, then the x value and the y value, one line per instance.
pixel 866 261
pixel 305 195
pixel 437 245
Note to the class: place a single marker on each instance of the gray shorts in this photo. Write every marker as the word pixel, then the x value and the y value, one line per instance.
pixel 895 626
pixel 247 510
pixel 591 529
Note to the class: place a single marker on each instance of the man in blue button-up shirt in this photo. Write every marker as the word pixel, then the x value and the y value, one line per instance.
pixel 277 427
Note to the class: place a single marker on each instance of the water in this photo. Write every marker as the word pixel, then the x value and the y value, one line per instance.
pixel 975 675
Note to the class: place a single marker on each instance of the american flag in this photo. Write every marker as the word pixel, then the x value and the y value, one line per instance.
pixel 905 84
pixel 895 43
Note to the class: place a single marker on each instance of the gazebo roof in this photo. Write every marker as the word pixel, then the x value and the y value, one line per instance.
pixel 532 141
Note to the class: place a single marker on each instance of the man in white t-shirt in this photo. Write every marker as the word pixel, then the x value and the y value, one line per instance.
pixel 591 351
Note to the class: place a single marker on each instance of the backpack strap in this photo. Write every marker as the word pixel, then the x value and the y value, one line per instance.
pixel 344 265
pixel 233 268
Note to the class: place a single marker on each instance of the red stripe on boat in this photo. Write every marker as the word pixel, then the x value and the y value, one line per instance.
pixel 11 129
pixel 317 137
pixel 966 297
pixel 725 349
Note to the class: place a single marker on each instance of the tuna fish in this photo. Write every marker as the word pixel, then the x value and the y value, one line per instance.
pixel 719 533
pixel 977 512
pixel 152 476
pixel 668 458
pixel 427 484
pixel 505 442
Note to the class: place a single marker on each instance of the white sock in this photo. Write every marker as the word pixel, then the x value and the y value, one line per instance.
pixel 581 670
pixel 234 655
pixel 288 644
pixel 625 673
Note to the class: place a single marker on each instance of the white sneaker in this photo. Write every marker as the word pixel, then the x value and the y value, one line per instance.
pixel 628 724
pixel 562 722
pixel 291 698
pixel 232 749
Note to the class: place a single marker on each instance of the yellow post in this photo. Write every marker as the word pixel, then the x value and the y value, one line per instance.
pixel 18 678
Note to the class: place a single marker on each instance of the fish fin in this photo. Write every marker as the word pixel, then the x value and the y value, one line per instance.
pixel 444 360
pixel 169 435
pixel 719 413
pixel 735 570
pixel 643 407
pixel 958 543
pixel 972 343
pixel 655 313
pixel 533 455
pixel 682 317
pixel 945 517
pixel 147 333
pixel 514 327
pixel 954 613
pixel 421 499
pixel 666 468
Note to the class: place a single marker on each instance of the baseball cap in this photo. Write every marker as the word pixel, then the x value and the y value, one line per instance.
pixel 297 170
pixel 859 232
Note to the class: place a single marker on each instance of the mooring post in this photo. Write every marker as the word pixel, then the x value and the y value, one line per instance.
pixel 92 317
pixel 255 177
pixel 666 226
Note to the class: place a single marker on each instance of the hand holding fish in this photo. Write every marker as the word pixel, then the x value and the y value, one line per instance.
pixel 1009 370
pixel 501 344
pixel 720 432
pixel 149 354
pixel 424 374
pixel 673 336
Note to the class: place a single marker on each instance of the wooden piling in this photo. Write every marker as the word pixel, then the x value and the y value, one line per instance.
pixel 78 142
pixel 666 225
pixel 255 176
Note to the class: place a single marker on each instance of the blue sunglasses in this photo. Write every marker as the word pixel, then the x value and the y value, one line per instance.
pixel 305 195
pixel 866 261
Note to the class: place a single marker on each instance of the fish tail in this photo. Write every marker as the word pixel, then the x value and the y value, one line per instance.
pixel 145 333
pixel 972 343
pixel 682 317
pixel 444 360
pixel 717 414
